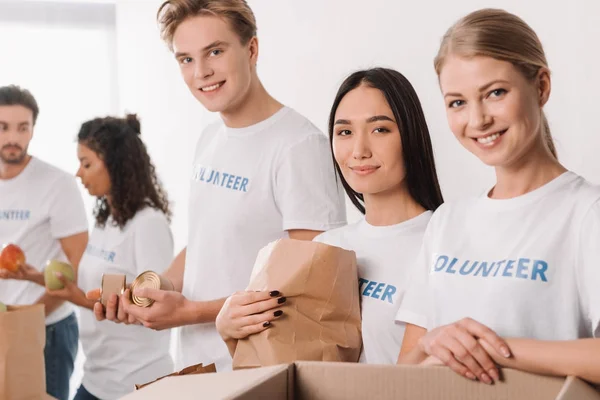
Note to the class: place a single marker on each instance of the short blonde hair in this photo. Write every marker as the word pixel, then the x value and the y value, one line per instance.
pixel 237 12
pixel 501 35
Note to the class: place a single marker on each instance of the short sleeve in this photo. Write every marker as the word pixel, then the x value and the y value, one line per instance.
pixel 588 269
pixel 416 305
pixel 66 210
pixel 307 191
pixel 153 242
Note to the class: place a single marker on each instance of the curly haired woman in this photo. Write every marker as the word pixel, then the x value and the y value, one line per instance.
pixel 131 235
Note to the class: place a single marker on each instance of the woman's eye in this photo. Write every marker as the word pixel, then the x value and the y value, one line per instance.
pixel 497 92
pixel 381 130
pixel 456 103
pixel 186 60
pixel 344 132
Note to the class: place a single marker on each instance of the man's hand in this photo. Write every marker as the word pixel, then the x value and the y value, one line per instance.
pixel 25 273
pixel 169 310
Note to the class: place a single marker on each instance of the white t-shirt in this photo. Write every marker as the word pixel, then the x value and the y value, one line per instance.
pixel 385 255
pixel 117 355
pixel 525 267
pixel 250 185
pixel 37 208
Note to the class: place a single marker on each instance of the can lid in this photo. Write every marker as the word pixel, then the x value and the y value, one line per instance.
pixel 149 279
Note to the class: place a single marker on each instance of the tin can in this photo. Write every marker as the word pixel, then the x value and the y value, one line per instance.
pixel 111 283
pixel 149 279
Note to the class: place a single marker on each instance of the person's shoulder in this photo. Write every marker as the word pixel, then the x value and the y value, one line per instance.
pixel 297 127
pixel 337 235
pixel 150 216
pixel 582 191
pixel 48 170
pixel 49 177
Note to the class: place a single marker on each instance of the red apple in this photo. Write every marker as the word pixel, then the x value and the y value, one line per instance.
pixel 11 257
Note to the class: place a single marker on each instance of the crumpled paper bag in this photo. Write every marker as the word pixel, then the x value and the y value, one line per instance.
pixel 321 320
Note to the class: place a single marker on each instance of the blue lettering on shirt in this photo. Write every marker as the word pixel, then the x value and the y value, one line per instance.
pixel 377 290
pixel 15 215
pixel 97 252
pixel 518 268
pixel 218 178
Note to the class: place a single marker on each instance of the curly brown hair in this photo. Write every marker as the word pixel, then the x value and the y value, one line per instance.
pixel 133 178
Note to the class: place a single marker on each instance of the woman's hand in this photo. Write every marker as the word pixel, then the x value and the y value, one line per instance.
pixel 70 292
pixel 247 313
pixel 457 346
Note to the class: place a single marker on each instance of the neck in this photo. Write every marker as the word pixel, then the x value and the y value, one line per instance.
pixel 391 207
pixel 256 106
pixel 10 171
pixel 534 170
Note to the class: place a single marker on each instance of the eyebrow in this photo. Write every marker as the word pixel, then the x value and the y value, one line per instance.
pixel 369 120
pixel 217 43
pixel 481 89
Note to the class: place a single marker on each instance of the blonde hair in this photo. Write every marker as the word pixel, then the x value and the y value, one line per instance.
pixel 501 35
pixel 237 12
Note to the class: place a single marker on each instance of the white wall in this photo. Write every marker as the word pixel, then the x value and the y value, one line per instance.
pixel 307 48
pixel 65 55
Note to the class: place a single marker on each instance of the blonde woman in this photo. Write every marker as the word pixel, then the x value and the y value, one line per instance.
pixel 510 277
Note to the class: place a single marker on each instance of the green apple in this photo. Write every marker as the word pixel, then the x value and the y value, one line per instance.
pixel 2 307
pixel 53 266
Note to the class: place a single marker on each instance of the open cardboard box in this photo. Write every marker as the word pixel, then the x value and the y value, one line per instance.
pixel 346 381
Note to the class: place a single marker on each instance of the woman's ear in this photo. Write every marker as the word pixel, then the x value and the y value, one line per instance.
pixel 544 85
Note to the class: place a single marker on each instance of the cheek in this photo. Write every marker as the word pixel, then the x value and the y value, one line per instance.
pixel 341 150
pixel 457 122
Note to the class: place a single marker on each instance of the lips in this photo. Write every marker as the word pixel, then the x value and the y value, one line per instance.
pixel 211 87
pixel 364 169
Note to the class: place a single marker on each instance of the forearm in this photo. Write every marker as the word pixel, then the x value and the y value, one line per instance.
pixel 201 312
pixel 559 358
pixel 175 271
pixel 412 357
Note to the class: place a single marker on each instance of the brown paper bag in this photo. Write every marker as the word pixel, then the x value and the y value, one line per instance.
pixel 321 320
pixel 191 370
pixel 22 341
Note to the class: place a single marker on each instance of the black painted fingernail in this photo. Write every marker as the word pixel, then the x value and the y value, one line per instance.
pixel 281 300
pixel 278 313
pixel 274 293
pixel 266 324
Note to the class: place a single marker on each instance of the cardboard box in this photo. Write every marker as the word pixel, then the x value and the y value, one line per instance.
pixel 346 381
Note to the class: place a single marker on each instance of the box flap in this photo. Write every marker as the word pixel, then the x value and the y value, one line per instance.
pixel 342 381
pixel 222 385
pixel 576 389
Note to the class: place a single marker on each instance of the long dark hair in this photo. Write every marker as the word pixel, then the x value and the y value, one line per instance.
pixel 133 179
pixel 421 176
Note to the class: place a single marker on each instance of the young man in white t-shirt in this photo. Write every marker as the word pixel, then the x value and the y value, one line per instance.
pixel 261 173
pixel 41 211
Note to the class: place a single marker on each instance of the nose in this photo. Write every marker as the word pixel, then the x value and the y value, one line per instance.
pixel 479 119
pixel 203 70
pixel 361 148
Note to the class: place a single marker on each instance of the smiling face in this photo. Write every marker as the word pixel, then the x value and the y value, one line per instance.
pixel 492 109
pixel 366 142
pixel 92 172
pixel 217 68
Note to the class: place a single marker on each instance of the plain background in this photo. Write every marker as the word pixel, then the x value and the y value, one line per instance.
pixel 84 58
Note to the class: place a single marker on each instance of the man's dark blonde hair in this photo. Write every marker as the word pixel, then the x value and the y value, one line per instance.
pixel 237 12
